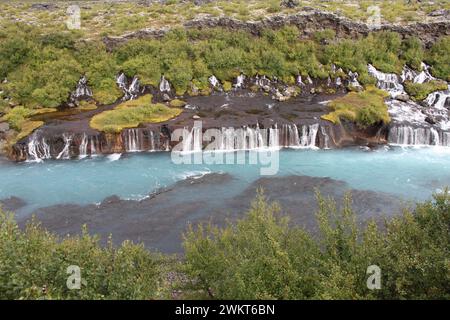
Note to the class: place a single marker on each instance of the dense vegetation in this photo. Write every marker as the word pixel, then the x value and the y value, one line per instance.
pixel 263 258
pixel 365 108
pixel 42 69
pixel 260 256
pixel 132 113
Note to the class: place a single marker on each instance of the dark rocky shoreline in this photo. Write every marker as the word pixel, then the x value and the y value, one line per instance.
pixel 147 220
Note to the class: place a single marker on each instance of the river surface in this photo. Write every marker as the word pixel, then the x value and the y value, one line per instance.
pixel 410 173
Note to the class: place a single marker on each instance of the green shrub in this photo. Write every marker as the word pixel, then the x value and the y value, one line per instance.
pixel 17 116
pixel 262 257
pixel 34 259
pixel 419 91
pixel 365 108
pixel 439 58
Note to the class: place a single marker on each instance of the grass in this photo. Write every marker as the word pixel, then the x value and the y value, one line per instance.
pixel 177 103
pixel 419 91
pixel 365 108
pixel 131 114
pixel 87 105
pixel 102 17
pixel 27 128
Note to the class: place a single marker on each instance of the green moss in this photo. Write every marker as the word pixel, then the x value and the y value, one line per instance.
pixel 131 114
pixel 419 91
pixel 227 86
pixel 177 103
pixel 365 108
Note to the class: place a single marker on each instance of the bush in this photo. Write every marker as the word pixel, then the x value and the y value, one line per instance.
pixel 366 108
pixel 419 91
pixel 34 259
pixel 17 116
pixel 439 58
pixel 262 257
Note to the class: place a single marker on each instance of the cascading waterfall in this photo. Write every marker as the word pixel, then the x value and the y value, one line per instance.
pixel 38 148
pixel 274 138
pixel 132 139
pixel 83 146
pixel 326 138
pixel 65 152
pixel 408 135
pixel 412 123
pixel 240 81
pixel 94 145
pixel 214 81
pixel 389 82
pixel 409 74
pixel 192 140
pixel 164 85
pixel 131 91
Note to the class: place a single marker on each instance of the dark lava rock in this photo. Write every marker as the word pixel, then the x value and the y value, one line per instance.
pixel 439 13
pixel 430 120
pixel 44 6
pixel 12 203
pixel 290 3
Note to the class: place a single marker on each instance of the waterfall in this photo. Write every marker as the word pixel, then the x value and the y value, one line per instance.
pixel 151 142
pixel 214 81
pixel 387 81
pixel 439 99
pixel 326 143
pixel 409 74
pixel 132 140
pixel 290 136
pixel 82 90
pixel 192 140
pixel 240 81
pixel 83 146
pixel 164 85
pixel 94 145
pixel 131 91
pixel 121 81
pixel 38 149
pixel 309 135
pixel 274 138
pixel 408 135
pixel 299 81
pixel 65 152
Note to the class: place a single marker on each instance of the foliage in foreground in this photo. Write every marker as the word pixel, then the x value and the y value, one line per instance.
pixel 366 108
pixel 261 257
pixel 33 261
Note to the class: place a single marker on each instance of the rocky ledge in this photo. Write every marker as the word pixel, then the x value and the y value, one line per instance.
pixel 307 22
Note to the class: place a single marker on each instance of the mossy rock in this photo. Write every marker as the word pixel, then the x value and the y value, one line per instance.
pixel 177 103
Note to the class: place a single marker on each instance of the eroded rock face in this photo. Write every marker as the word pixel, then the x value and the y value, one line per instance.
pixel 307 22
